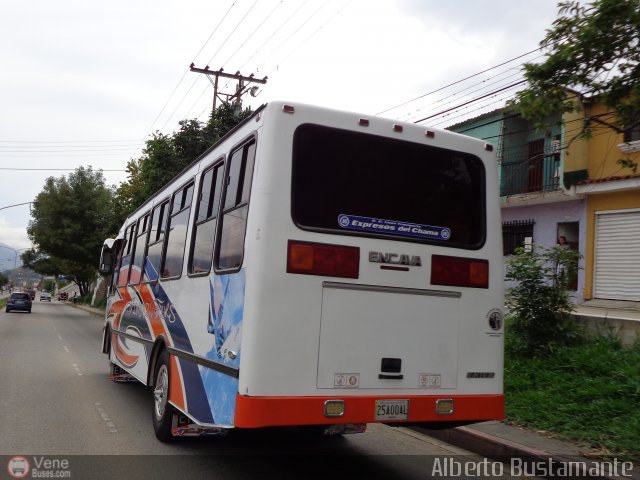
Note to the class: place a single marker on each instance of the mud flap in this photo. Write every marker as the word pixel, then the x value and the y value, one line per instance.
pixel 346 428
pixel 118 375
pixel 183 426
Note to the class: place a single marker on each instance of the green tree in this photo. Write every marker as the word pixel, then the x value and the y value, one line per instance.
pixel 540 309
pixel 165 156
pixel 592 49
pixel 71 217
pixel 4 280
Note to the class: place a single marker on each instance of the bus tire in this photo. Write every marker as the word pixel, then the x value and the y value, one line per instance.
pixel 162 412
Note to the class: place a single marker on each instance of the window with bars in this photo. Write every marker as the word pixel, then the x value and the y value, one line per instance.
pixel 514 234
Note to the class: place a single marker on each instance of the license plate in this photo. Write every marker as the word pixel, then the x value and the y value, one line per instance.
pixel 392 409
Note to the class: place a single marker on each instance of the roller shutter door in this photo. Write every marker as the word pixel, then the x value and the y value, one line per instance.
pixel 617 259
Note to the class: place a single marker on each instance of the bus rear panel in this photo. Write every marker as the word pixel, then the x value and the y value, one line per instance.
pixel 378 279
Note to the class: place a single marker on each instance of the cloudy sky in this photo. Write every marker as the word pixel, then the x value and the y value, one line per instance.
pixel 84 83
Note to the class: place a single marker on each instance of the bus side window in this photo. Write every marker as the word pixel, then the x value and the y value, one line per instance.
pixel 233 222
pixel 156 240
pixel 116 265
pixel 177 232
pixel 123 273
pixel 205 220
pixel 139 249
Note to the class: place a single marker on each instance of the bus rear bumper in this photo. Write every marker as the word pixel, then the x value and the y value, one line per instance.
pixel 255 412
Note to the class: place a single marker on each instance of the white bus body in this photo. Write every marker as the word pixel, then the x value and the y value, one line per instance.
pixel 357 277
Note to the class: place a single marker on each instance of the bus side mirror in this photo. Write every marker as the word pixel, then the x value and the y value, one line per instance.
pixel 106 263
pixel 106 258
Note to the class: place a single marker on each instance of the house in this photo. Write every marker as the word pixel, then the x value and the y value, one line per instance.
pixel 612 194
pixel 555 183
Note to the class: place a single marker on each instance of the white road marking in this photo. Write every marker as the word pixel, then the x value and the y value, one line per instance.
pixel 65 348
pixel 105 418
pixel 77 369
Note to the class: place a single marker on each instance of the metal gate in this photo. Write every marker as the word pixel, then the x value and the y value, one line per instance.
pixel 617 256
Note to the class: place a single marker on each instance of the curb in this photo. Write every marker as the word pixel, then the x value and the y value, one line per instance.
pixel 87 309
pixel 498 448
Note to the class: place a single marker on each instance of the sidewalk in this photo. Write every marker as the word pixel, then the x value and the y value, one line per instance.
pixel 87 308
pixel 498 440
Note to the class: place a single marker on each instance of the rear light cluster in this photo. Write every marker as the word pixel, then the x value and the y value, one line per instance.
pixel 459 272
pixel 323 259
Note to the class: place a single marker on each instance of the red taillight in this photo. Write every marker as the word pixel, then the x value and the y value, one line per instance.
pixel 459 272
pixel 323 259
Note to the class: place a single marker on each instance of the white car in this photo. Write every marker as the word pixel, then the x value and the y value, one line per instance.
pixel 45 296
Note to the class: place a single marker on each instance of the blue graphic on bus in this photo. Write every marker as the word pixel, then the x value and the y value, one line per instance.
pixel 226 312
pixel 392 227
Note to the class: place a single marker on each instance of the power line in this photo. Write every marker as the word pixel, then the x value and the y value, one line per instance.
pixel 214 31
pixel 313 34
pixel 500 85
pixel 252 33
pixel 472 101
pixel 459 81
pixel 134 142
pixel 55 169
pixel 294 32
pixel 183 77
pixel 483 85
pixel 210 60
pixel 233 31
pixel 70 149
pixel 274 33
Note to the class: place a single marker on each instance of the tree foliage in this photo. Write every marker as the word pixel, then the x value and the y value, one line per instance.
pixel 540 309
pixel 165 156
pixel 592 49
pixel 71 217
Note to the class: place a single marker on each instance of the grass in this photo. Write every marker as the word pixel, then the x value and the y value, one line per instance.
pixel 588 393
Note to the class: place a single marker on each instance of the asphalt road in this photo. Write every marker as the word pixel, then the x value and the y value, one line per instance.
pixel 56 402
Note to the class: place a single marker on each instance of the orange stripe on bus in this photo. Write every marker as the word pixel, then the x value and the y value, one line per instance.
pixel 152 313
pixel 118 306
pixel 176 393
pixel 127 359
pixel 253 412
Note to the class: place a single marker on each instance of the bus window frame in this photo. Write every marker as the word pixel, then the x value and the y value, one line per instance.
pixel 118 249
pixel 147 226
pixel 165 200
pixel 170 215
pixel 129 233
pixel 252 137
pixel 220 161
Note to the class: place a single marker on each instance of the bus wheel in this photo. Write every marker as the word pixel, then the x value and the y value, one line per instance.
pixel 163 412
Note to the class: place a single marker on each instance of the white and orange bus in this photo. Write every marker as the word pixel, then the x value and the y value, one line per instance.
pixel 314 268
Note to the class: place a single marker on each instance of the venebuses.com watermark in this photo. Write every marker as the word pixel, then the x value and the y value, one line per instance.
pixel 38 467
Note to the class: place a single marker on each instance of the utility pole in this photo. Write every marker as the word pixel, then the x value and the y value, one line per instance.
pixel 243 83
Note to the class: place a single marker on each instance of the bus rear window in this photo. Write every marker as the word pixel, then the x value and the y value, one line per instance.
pixel 351 183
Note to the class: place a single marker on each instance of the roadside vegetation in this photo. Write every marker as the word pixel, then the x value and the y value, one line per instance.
pixel 558 378
pixel 588 392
